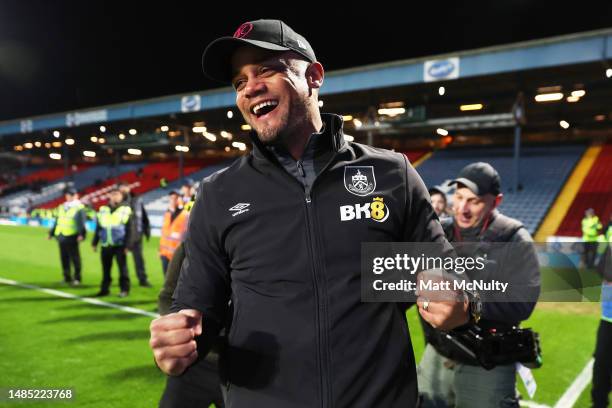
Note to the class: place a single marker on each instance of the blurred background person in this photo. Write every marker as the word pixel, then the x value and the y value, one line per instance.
pixel 113 233
pixel 450 375
pixel 590 233
pixel 140 226
pixel 187 191
pixel 439 202
pixel 173 229
pixel 69 229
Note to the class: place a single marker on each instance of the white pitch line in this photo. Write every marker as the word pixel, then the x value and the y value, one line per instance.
pixel 571 395
pixel 567 400
pixel 532 404
pixel 92 301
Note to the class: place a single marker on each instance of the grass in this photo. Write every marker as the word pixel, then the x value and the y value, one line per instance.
pixel 103 354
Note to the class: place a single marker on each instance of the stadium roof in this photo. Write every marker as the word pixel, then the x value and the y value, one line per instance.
pixel 562 53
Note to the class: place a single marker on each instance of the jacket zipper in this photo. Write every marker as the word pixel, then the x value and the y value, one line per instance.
pixel 321 305
pixel 319 292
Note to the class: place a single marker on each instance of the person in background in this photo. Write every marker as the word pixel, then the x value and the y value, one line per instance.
pixel 590 232
pixel 173 229
pixel 140 227
pixel 187 191
pixel 439 202
pixel 69 229
pixel 113 233
pixel 448 376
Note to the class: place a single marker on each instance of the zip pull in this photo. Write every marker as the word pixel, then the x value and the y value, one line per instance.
pixel 300 168
pixel 308 199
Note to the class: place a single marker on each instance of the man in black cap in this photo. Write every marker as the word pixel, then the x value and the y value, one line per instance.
pixel 140 227
pixel 274 241
pixel 69 230
pixel 448 375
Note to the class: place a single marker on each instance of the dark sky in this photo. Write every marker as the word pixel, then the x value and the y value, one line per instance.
pixel 62 55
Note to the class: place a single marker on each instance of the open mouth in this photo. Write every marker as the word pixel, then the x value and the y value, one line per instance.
pixel 263 108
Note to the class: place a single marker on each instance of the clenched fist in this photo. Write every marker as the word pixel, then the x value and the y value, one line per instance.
pixel 440 305
pixel 173 340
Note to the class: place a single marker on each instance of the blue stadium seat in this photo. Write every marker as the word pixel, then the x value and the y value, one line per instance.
pixel 543 169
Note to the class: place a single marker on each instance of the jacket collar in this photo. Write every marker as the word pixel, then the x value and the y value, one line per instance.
pixel 332 128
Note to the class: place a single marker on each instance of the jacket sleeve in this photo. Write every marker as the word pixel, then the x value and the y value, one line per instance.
pixel 204 282
pixel 174 268
pixel 421 224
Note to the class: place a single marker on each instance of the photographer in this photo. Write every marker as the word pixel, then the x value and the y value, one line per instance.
pixel 450 374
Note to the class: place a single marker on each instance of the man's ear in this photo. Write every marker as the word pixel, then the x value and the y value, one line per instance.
pixel 314 75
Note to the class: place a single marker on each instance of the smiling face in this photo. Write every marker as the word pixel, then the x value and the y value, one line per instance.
pixel 470 209
pixel 276 92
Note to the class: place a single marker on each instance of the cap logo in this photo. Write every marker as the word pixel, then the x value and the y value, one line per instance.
pixel 243 30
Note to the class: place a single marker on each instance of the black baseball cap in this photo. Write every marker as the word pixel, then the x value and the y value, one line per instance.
pixel 70 190
pixel 481 178
pixel 273 35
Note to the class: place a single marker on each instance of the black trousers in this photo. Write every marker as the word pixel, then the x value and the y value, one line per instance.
pixel 69 253
pixel 590 253
pixel 139 264
pixel 107 255
pixel 198 387
pixel 602 369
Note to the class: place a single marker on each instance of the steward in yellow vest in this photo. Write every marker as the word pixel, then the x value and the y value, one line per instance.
pixel 590 233
pixel 69 229
pixel 113 233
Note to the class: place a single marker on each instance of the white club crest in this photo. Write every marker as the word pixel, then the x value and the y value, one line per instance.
pixel 359 180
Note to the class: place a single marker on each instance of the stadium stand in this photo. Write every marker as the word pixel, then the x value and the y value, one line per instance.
pixel 595 192
pixel 142 178
pixel 156 201
pixel 93 180
pixel 552 165
pixel 415 155
pixel 84 175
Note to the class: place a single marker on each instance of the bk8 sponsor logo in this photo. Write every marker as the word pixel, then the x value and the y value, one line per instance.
pixel 377 211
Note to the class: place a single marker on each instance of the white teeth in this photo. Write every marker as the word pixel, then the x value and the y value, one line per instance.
pixel 257 107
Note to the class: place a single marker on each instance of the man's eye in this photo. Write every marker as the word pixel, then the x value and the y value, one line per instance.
pixel 238 85
pixel 266 70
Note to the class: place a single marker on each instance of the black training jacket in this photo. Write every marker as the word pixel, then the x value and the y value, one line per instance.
pixel 289 261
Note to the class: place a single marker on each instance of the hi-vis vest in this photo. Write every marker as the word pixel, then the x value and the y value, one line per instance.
pixel 113 225
pixel 66 223
pixel 590 226
pixel 173 232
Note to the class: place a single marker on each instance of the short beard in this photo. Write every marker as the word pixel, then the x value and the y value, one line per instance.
pixel 296 115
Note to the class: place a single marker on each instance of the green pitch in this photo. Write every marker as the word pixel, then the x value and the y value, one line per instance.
pixel 49 342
